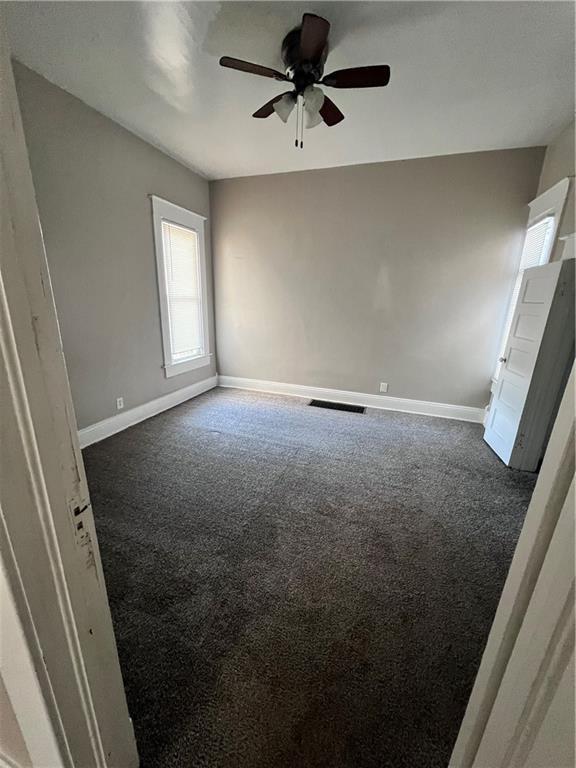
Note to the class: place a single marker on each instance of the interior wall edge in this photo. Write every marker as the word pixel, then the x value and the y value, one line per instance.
pixel 93 180
pixel 383 402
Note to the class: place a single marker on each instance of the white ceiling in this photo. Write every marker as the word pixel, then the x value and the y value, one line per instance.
pixel 466 76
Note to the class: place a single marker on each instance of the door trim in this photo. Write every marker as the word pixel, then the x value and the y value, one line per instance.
pixel 52 563
pixel 550 202
pixel 541 656
pixel 548 499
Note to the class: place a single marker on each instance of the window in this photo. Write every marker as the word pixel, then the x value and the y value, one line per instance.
pixel 536 251
pixel 545 213
pixel 181 266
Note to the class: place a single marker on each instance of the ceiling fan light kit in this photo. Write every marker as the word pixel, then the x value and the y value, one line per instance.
pixel 284 106
pixel 304 52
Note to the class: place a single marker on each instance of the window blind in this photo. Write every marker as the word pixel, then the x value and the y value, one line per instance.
pixel 537 243
pixel 183 289
pixel 536 251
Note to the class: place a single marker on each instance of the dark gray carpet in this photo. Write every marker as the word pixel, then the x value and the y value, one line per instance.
pixel 294 587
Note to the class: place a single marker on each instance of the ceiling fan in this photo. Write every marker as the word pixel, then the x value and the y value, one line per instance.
pixel 304 52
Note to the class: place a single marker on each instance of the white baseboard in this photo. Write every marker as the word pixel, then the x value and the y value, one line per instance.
pixel 125 419
pixel 102 429
pixel 443 410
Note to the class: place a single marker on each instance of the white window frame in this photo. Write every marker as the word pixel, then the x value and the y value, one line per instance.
pixel 163 210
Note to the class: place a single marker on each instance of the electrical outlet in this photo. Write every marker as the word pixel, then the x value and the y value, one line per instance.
pixel 383 386
pixel 119 403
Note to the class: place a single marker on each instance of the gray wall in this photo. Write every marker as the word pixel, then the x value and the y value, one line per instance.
pixel 92 181
pixel 397 272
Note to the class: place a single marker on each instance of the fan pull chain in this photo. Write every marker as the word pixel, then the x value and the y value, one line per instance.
pixel 297 120
pixel 299 141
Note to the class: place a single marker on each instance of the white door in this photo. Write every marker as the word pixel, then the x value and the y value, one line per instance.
pixel 48 545
pixel 521 351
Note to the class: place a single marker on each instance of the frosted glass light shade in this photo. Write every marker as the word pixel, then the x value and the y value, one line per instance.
pixel 284 107
pixel 313 100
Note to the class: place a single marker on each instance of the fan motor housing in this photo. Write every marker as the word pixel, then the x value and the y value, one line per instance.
pixel 301 73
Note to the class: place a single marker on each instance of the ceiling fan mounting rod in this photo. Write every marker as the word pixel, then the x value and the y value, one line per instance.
pixel 301 72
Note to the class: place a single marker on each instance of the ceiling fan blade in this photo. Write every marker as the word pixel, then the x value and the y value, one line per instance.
pixel 330 112
pixel 359 77
pixel 252 69
pixel 313 37
pixel 268 109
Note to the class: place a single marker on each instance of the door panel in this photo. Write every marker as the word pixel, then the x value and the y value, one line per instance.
pixel 511 394
pixel 529 327
pixel 536 288
pixel 520 361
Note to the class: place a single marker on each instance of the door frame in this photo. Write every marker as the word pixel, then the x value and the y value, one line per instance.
pixel 542 518
pixel 54 571
pixel 521 726
pixel 49 547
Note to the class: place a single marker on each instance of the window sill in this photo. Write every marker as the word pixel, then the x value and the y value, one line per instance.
pixel 173 369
